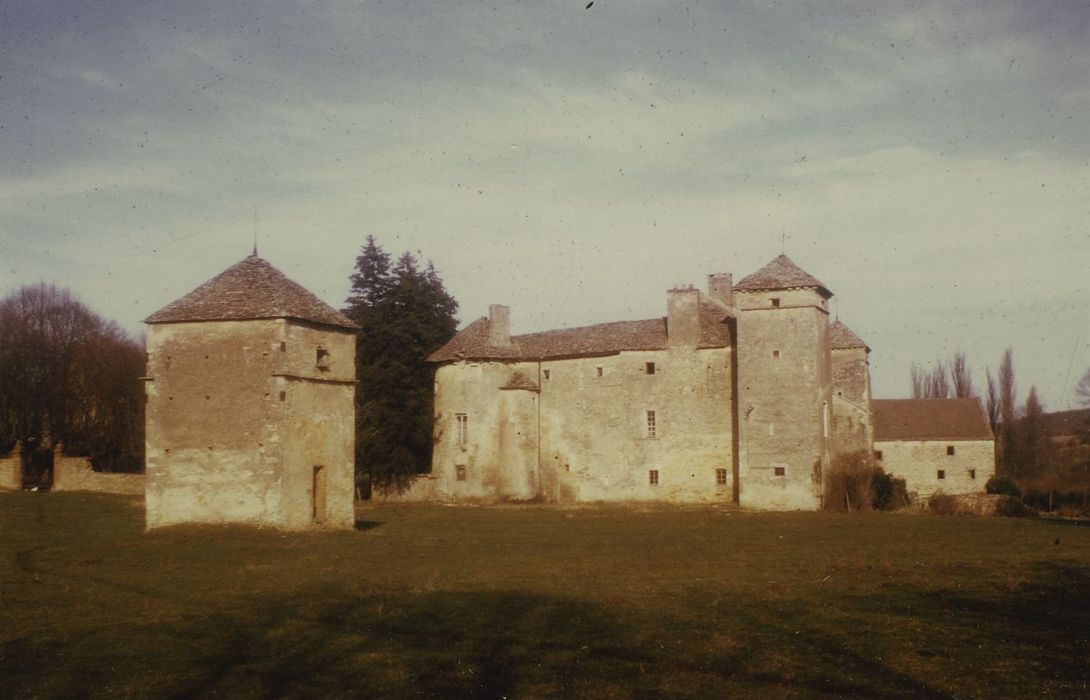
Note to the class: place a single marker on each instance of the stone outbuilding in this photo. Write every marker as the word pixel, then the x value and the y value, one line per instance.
pixel 728 398
pixel 250 405
pixel 935 444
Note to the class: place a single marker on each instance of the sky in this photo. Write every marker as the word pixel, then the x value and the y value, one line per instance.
pixel 928 162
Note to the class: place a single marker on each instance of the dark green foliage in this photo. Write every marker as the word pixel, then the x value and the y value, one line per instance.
pixel 887 492
pixel 67 375
pixel 1003 485
pixel 404 314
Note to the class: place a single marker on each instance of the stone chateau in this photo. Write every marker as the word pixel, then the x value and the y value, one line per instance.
pixel 744 393
pixel 250 405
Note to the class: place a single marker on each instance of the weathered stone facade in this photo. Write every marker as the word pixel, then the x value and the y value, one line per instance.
pixel 11 470
pixel 250 411
pixel 935 445
pixel 742 394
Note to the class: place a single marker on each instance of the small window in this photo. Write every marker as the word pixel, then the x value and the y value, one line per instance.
pixel 546 373
pixel 649 367
pixel 878 455
pixel 652 427
pixel 321 357
pixel 779 471
pixel 972 473
pixel 598 371
pixel 721 477
pixel 653 477
pixel 283 395
pixel 462 422
pixel 775 301
pixel 460 472
pixel 942 474
pixel 775 354
pixel 949 450
pixel 283 346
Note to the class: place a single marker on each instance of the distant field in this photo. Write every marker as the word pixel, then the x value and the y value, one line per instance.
pixel 541 602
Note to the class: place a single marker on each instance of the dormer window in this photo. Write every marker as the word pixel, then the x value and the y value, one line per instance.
pixel 321 358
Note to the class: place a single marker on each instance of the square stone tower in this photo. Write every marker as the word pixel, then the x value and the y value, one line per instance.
pixel 250 413
pixel 784 387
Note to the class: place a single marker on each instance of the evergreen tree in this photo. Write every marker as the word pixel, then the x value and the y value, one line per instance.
pixel 404 314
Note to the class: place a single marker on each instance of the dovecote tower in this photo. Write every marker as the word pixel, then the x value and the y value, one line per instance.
pixel 784 392
pixel 250 405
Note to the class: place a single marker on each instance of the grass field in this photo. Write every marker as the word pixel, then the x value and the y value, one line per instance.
pixel 541 602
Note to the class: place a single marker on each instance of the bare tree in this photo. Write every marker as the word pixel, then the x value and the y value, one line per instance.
pixel 1008 439
pixel 961 376
pixel 992 404
pixel 1082 390
pixel 930 384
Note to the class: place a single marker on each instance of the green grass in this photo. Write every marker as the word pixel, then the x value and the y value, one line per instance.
pixel 541 602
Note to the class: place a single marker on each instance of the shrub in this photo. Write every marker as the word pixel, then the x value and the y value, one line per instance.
pixel 1012 507
pixel 1003 485
pixel 943 504
pixel 887 492
pixel 848 483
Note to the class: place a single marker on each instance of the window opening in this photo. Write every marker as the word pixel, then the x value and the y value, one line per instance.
pixel 972 473
pixel 878 454
pixel 460 472
pixel 652 426
pixel 462 421
pixel 321 357
pixel 779 471
pixel 721 477
pixel 949 450
pixel 942 474
pixel 775 301
pixel 650 367
pixel 775 354
pixel 653 477
pixel 546 373
pixel 597 371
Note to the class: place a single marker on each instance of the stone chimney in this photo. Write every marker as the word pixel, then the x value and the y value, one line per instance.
pixel 721 287
pixel 499 325
pixel 683 316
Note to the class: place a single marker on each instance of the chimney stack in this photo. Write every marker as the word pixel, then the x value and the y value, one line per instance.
pixel 683 316
pixel 499 325
pixel 721 287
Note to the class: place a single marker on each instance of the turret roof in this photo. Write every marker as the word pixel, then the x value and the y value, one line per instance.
pixel 842 338
pixel 781 273
pixel 251 289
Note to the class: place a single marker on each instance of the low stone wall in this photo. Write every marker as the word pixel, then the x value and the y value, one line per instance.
pixel 424 488
pixel 11 471
pixel 76 474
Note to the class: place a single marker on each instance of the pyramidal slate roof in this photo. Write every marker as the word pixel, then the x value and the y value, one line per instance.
pixel 842 338
pixel 251 289
pixel 471 343
pixel 930 419
pixel 781 273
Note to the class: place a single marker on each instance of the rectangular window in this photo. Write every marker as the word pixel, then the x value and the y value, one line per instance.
pixel 460 472
pixel 462 422
pixel 597 371
pixel 972 473
pixel 283 395
pixel 721 477
pixel 649 368
pixel 321 357
pixel 775 354
pixel 283 346
pixel 949 450
pixel 546 373
pixel 775 301
pixel 942 474
pixel 652 427
pixel 878 455
pixel 653 477
pixel 779 471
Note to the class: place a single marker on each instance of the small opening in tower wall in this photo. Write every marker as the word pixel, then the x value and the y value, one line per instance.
pixel 283 346
pixel 972 473
pixel 720 477
pixel 878 455
pixel 775 354
pixel 652 425
pixel 653 477
pixel 649 367
pixel 779 471
pixel 460 472
pixel 775 301
pixel 598 371
pixel 321 357
pixel 942 474
pixel 546 374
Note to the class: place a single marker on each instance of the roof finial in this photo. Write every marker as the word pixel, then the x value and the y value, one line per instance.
pixel 254 254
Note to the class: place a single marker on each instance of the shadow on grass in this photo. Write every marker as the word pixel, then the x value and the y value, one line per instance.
pixel 364 525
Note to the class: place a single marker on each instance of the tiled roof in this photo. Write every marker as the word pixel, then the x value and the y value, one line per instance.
pixel 251 289
pixel 781 273
pixel 471 343
pixel 930 419
pixel 842 338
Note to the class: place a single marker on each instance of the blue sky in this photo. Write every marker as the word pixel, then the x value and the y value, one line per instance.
pixel 929 162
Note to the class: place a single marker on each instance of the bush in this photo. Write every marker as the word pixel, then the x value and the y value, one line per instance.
pixel 887 492
pixel 848 483
pixel 1012 507
pixel 1003 485
pixel 942 504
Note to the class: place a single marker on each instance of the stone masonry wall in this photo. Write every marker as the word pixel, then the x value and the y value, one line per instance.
pixel 852 428
pixel 76 474
pixel 918 462
pixel 784 398
pixel 11 470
